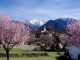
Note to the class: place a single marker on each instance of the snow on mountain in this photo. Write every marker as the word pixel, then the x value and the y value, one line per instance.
pixel 37 22
pixel 59 24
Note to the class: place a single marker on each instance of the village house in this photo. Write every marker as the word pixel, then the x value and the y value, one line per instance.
pixel 42 32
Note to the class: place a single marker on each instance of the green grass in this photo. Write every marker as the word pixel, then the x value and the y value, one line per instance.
pixel 52 55
pixel 14 50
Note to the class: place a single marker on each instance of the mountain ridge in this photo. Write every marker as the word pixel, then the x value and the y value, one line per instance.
pixel 59 24
pixel 35 23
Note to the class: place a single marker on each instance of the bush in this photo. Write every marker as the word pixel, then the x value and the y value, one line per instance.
pixel 35 54
pixel 24 54
pixel 11 55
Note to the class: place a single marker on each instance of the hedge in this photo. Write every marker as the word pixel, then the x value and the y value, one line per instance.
pixel 24 54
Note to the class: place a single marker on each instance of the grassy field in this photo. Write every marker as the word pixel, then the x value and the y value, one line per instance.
pixel 52 55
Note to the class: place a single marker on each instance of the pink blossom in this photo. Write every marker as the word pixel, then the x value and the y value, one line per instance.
pixel 12 33
pixel 74 32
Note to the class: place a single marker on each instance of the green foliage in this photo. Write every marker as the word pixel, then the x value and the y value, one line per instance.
pixel 56 35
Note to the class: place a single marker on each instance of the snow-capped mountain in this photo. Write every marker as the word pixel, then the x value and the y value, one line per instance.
pixel 59 24
pixel 35 23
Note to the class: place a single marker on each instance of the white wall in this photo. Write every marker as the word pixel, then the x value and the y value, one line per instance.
pixel 74 51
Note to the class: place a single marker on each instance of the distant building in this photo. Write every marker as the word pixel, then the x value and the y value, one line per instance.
pixel 43 32
pixel 44 29
pixel 47 32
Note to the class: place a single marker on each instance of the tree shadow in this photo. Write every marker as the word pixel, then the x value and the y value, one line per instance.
pixel 62 58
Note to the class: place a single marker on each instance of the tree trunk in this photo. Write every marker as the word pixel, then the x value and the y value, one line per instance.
pixel 58 51
pixel 7 54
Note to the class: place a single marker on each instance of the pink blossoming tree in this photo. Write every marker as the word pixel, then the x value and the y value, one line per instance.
pixel 12 33
pixel 74 32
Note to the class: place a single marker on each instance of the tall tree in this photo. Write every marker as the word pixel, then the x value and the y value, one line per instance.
pixel 47 40
pixel 74 40
pixel 74 33
pixel 56 35
pixel 12 33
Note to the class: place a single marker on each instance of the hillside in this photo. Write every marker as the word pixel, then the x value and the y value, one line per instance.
pixel 58 24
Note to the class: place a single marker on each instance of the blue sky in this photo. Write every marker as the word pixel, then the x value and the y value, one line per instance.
pixel 40 9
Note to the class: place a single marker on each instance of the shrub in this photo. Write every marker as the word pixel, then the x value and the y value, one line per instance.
pixel 24 54
pixel 11 55
pixel 35 54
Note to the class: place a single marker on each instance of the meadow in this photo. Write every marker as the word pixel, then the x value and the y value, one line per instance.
pixel 51 55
